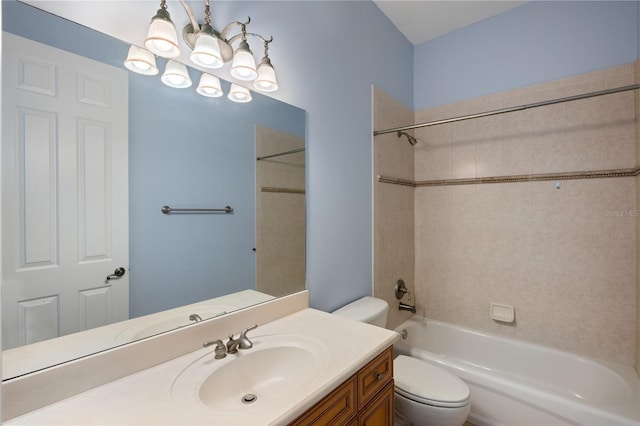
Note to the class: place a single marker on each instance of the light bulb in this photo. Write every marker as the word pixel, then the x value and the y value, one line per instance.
pixel 266 80
pixel 244 65
pixel 141 61
pixel 162 38
pixel 206 51
pixel 209 86
pixel 176 75
pixel 239 94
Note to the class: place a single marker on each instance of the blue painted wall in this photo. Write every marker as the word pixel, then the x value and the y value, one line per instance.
pixel 189 151
pixel 533 43
pixel 328 54
pixel 184 151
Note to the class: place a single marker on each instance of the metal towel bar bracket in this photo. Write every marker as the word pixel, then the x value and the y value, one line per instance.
pixel 168 210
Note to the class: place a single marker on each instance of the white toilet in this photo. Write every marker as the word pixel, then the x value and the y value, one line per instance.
pixel 425 394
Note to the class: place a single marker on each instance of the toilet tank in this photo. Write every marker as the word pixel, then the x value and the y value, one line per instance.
pixel 368 309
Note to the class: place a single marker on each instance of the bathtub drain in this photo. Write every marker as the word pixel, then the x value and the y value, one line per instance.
pixel 405 333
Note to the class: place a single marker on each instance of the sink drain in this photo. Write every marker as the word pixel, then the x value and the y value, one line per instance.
pixel 249 398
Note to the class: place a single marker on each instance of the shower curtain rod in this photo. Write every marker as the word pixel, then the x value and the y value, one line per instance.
pixel 510 109
pixel 293 151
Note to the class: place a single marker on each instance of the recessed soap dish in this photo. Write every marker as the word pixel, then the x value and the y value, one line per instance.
pixel 502 313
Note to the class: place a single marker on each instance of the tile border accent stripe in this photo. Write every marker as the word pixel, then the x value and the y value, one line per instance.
pixel 282 190
pixel 596 174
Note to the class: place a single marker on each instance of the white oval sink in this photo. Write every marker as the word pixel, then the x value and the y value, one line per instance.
pixel 276 366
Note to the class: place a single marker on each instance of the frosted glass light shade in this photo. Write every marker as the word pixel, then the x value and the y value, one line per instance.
pixel 162 38
pixel 239 94
pixel 176 75
pixel 209 86
pixel 141 61
pixel 243 66
pixel 266 80
pixel 206 51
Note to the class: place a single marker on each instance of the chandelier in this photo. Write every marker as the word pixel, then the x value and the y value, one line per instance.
pixel 209 49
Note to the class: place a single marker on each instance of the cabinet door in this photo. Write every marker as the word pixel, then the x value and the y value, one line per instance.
pixel 374 376
pixel 335 409
pixel 379 412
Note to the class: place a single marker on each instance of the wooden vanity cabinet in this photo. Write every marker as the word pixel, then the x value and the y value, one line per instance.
pixel 365 399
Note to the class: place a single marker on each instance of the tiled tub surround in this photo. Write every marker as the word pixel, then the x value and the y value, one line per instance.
pixel 637 98
pixel 280 219
pixel 565 258
pixel 393 207
pixel 145 397
pixel 585 135
pixel 557 255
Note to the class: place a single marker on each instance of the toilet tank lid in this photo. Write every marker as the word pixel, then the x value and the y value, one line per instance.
pixel 365 309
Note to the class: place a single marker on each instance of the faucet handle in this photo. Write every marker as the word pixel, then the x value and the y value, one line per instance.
pixel 244 342
pixel 220 349
pixel 248 329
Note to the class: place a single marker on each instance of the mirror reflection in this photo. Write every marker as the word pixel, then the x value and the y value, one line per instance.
pixel 92 154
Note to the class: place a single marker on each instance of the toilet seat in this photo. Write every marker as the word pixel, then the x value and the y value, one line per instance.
pixel 428 384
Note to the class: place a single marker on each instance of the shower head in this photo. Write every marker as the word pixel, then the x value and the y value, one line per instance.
pixel 413 141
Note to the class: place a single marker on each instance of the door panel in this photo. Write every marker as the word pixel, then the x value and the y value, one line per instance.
pixel 64 192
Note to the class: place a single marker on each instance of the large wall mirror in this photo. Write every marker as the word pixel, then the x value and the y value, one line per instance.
pixel 90 155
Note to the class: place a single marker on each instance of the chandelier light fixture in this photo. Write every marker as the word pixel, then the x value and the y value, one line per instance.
pixel 161 36
pixel 266 79
pixel 209 49
pixel 209 86
pixel 239 94
pixel 176 75
pixel 141 61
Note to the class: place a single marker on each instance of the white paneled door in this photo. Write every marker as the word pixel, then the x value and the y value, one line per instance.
pixel 64 192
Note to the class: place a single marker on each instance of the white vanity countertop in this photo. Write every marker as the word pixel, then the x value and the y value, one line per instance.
pixel 146 397
pixel 33 357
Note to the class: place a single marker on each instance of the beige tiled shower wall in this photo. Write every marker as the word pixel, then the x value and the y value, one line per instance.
pixel 638 220
pixel 564 258
pixel 393 206
pixel 638 271
pixel 280 218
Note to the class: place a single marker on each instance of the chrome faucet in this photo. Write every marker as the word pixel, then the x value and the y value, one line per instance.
pixel 195 318
pixel 242 342
pixel 405 307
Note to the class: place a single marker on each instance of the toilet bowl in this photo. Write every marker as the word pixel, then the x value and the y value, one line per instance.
pixel 425 394
pixel 429 395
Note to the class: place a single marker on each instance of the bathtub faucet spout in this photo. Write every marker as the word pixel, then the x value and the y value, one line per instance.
pixel 405 307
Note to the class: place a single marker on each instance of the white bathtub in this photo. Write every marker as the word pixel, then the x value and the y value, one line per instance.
pixel 518 383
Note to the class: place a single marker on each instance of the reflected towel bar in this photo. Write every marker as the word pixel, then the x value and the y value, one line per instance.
pixel 168 210
pixel 293 151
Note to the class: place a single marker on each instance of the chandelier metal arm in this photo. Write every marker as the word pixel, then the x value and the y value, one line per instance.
pixel 194 22
pixel 225 30
pixel 237 36
pixel 261 37
pixel 210 49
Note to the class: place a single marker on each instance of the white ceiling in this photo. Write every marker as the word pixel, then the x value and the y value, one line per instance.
pixel 424 20
pixel 418 20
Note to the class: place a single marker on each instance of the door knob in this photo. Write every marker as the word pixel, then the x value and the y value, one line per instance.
pixel 116 274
